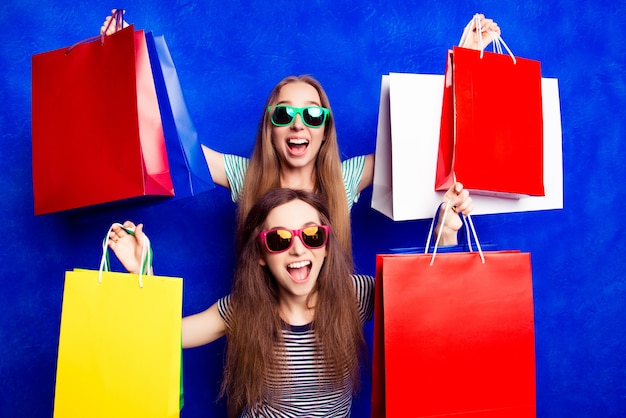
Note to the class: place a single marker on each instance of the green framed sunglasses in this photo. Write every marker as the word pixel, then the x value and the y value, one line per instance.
pixel 284 115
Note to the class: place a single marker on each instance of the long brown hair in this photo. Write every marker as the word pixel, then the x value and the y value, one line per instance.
pixel 254 336
pixel 264 169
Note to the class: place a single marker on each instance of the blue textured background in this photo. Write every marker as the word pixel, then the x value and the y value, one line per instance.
pixel 229 55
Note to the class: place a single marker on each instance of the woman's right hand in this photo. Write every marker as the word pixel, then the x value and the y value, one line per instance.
pixel 109 27
pixel 128 247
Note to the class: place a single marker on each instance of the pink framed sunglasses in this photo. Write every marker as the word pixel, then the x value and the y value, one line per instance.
pixel 278 240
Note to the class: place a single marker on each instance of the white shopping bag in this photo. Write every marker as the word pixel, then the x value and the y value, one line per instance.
pixel 407 144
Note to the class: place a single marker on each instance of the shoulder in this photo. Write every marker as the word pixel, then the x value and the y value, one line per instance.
pixel 353 165
pixel 236 161
pixel 364 288
pixel 235 168
pixel 352 172
pixel 223 307
pixel 363 282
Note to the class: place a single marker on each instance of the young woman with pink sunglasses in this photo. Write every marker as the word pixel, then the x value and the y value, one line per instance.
pixel 294 319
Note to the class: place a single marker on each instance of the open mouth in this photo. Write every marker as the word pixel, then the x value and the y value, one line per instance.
pixel 299 271
pixel 297 146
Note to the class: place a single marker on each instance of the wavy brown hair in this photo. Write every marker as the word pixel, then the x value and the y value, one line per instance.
pixel 264 169
pixel 254 335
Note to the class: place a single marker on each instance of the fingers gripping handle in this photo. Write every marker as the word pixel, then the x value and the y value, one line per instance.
pixel 146 254
pixel 498 42
pixel 118 18
pixel 469 226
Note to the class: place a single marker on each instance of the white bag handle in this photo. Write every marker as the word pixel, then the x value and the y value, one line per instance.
pixel 498 42
pixel 469 225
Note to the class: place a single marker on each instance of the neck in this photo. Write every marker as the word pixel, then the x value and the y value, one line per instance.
pixel 298 178
pixel 296 311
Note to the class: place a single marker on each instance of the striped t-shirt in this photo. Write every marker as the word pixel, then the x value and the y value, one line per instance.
pixel 351 170
pixel 302 390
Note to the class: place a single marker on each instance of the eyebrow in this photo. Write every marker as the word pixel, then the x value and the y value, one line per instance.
pixel 305 225
pixel 309 103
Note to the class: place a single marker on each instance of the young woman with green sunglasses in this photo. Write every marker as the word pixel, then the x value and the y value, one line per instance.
pixel 298 149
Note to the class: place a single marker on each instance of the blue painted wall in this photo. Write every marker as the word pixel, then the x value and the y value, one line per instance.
pixel 229 55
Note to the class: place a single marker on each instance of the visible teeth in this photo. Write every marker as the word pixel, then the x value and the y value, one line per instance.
pixel 298 141
pixel 298 265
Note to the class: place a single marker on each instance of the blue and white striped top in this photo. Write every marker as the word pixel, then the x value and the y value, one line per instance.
pixel 303 390
pixel 351 169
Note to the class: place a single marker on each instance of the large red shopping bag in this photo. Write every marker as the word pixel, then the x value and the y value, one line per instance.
pixel 491 135
pixel 97 135
pixel 455 338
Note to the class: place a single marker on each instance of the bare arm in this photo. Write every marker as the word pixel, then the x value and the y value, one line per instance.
pixel 199 329
pixel 215 161
pixel 203 328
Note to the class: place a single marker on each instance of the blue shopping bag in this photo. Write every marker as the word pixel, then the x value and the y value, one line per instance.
pixel 189 170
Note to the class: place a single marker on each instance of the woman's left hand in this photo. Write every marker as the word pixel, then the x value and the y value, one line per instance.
pixel 472 39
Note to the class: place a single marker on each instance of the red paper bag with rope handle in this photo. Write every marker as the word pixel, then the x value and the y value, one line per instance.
pixel 97 135
pixel 454 335
pixel 491 134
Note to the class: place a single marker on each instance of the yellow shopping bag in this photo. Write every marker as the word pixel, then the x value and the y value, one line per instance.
pixel 119 346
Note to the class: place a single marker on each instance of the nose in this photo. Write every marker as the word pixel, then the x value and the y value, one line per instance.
pixel 297 247
pixel 297 122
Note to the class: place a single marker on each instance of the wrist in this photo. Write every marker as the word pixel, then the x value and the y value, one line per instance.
pixel 448 236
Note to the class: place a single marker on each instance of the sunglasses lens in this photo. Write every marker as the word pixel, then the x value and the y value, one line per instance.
pixel 278 240
pixel 314 236
pixel 282 115
pixel 314 116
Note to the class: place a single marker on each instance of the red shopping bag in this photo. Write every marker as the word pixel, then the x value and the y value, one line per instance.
pixel 455 338
pixel 96 128
pixel 491 135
